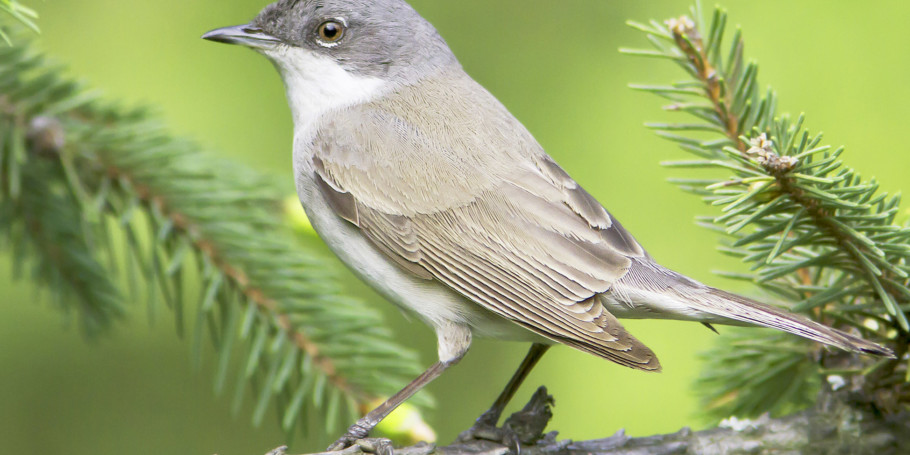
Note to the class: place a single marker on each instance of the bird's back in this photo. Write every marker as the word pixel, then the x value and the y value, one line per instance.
pixel 434 146
pixel 446 182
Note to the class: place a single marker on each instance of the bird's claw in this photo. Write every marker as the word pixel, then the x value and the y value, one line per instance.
pixel 377 446
pixel 523 427
pixel 490 432
pixel 484 428
pixel 356 432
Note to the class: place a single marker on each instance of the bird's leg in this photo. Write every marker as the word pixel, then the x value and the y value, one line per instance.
pixel 485 426
pixel 453 340
pixel 492 415
pixel 362 427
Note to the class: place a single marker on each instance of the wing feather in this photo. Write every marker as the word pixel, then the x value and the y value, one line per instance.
pixel 520 238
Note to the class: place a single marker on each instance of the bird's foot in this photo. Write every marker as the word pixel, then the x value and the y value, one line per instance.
pixel 378 446
pixel 523 427
pixel 358 431
pixel 484 428
pixel 529 423
pixel 348 445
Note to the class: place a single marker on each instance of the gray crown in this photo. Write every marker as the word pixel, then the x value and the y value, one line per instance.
pixel 384 38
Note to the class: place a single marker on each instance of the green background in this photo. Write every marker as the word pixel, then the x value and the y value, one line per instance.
pixel 555 65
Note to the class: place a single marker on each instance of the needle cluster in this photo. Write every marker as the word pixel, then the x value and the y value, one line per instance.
pixel 22 14
pixel 817 236
pixel 101 206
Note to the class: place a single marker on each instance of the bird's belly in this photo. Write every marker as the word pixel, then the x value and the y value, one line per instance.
pixel 432 301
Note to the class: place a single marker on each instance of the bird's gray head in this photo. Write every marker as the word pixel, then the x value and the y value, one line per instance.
pixel 383 39
pixel 337 53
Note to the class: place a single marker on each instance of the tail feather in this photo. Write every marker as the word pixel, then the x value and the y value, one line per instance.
pixel 671 295
pixel 750 311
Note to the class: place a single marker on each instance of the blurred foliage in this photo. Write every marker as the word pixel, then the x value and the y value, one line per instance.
pixel 553 65
pixel 90 192
pixel 23 15
pixel 815 233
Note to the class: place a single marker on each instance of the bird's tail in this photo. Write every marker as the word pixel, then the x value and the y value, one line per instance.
pixel 681 297
pixel 750 311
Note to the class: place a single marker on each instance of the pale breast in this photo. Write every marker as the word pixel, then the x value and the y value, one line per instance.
pixel 430 300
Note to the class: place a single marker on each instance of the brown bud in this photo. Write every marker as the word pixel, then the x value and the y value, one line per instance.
pixel 45 136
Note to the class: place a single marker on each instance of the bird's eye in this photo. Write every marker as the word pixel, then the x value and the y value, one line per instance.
pixel 330 32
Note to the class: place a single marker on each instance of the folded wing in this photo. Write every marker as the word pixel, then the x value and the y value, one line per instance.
pixel 529 245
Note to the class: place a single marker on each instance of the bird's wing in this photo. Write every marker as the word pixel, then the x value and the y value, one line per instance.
pixel 528 244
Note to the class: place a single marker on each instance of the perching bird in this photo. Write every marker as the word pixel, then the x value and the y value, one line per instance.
pixel 436 196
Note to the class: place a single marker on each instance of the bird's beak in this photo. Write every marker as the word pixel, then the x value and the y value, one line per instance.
pixel 244 35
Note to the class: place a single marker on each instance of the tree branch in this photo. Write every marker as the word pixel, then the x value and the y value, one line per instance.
pixel 813 231
pixel 836 426
pixel 90 194
pixel 235 274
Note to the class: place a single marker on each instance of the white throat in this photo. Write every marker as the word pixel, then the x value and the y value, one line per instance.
pixel 317 85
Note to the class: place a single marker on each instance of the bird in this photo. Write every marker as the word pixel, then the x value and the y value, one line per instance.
pixel 435 195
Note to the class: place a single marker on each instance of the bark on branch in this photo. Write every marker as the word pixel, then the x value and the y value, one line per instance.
pixel 836 426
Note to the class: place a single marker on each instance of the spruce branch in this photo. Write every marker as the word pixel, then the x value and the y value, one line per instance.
pixel 93 196
pixel 24 15
pixel 63 257
pixel 816 234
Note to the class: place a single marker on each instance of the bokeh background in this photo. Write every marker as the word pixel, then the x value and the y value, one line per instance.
pixel 556 66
